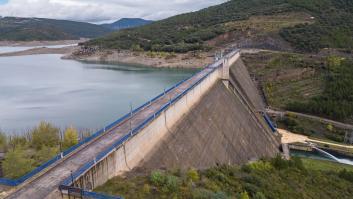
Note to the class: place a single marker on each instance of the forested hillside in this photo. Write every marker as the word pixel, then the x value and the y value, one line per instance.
pixel 125 23
pixel 332 26
pixel 30 29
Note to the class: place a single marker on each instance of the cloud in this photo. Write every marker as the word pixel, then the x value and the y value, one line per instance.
pixel 98 11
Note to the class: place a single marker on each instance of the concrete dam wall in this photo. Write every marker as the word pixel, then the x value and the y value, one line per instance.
pixel 216 122
pixel 223 128
pixel 212 118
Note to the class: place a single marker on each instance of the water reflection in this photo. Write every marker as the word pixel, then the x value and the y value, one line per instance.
pixel 66 92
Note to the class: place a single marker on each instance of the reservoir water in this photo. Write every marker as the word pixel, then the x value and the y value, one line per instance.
pixel 66 92
pixel 11 49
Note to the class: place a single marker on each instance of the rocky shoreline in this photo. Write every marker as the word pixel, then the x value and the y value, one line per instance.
pixel 152 59
pixel 39 43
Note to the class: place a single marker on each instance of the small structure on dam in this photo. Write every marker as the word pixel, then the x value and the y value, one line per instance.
pixel 214 117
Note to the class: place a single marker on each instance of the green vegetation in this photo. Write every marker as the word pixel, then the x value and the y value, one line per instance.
pixel 332 26
pixel 323 165
pixel 312 129
pixel 275 178
pixel 26 152
pixel 336 101
pixel 30 29
pixel 316 85
pixel 287 77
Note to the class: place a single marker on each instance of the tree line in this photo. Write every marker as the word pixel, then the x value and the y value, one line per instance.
pixel 333 26
pixel 25 152
pixel 336 101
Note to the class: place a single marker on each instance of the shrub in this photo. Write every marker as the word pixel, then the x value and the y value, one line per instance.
pixel 157 178
pixel 146 189
pixel 45 134
pixel 172 183
pixel 16 163
pixel 70 137
pixel 193 175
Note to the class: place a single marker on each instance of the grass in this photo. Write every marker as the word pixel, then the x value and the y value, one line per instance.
pixel 287 77
pixel 273 178
pixel 269 23
pixel 322 165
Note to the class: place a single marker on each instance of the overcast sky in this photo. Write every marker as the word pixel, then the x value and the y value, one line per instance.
pixel 98 11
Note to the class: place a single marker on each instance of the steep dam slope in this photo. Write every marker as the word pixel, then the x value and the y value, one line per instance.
pixel 223 128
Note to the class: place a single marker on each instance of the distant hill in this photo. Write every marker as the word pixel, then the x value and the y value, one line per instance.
pixel 125 23
pixel 30 29
pixel 305 25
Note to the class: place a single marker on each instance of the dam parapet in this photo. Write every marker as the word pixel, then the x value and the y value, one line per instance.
pixel 199 122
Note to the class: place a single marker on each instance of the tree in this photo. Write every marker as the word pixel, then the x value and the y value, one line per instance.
pixel 329 127
pixel 45 154
pixel 45 135
pixel 3 142
pixel 70 137
pixel 16 163
pixel 244 195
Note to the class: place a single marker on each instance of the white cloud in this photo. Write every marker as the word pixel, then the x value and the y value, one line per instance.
pixel 102 10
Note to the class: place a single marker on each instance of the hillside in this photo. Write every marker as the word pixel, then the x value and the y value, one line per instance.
pixel 275 178
pixel 125 23
pixel 318 85
pixel 312 25
pixel 30 29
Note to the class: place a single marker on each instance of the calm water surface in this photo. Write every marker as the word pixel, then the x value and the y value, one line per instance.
pixel 10 49
pixel 66 92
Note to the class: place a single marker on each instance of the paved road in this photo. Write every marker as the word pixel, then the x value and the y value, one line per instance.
pixel 327 121
pixel 46 185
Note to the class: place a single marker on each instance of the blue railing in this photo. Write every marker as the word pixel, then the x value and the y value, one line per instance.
pixel 95 195
pixel 79 193
pixel 129 135
pixel 269 122
pixel 16 182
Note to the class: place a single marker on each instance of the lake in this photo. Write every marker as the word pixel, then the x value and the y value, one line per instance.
pixel 66 92
pixel 11 49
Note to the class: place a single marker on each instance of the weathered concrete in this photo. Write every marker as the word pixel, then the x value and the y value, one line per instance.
pixel 46 184
pixel 213 123
pixel 218 130
pixel 141 145
pixel 239 77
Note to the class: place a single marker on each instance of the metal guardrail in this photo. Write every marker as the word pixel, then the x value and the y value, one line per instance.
pixel 80 193
pixel 18 181
pixel 129 135
pixel 269 122
pixel 109 150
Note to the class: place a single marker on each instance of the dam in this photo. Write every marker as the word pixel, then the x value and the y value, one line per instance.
pixel 214 117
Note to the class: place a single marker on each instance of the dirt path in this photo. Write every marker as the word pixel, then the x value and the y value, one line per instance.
pixel 321 119
pixel 288 137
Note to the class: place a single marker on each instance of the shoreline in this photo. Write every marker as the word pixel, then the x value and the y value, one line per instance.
pixel 39 43
pixel 40 51
pixel 156 60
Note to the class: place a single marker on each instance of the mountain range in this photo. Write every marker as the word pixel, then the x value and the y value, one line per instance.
pixel 31 29
pixel 125 23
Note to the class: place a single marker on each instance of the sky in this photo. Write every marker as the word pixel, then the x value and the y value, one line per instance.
pixel 99 11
